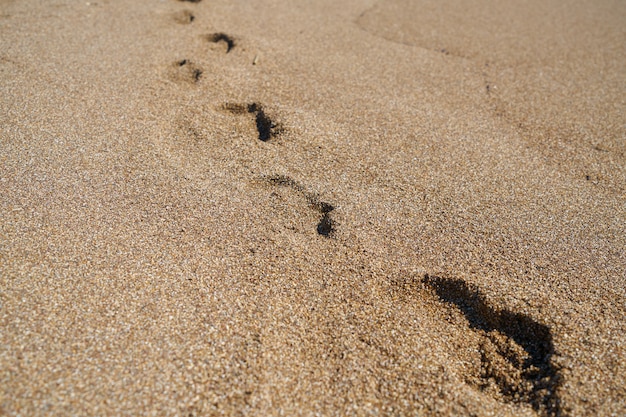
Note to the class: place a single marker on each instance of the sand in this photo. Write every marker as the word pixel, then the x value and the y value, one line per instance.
pixel 318 208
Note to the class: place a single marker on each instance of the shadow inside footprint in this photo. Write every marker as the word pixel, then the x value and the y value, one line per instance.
pixel 325 226
pixel 264 124
pixel 265 127
pixel 515 349
pixel 222 37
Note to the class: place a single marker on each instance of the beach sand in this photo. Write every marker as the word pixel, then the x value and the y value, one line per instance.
pixel 317 208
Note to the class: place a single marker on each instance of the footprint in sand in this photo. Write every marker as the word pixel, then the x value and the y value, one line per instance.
pixel 515 351
pixel 185 70
pixel 266 127
pixel 326 224
pixel 220 37
pixel 184 17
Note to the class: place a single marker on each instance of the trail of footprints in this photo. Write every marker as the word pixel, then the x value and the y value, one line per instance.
pixel 187 70
pixel 515 351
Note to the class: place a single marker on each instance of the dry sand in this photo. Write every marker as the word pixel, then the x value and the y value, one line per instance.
pixel 464 161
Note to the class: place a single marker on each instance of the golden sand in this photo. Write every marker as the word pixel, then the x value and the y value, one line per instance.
pixel 324 208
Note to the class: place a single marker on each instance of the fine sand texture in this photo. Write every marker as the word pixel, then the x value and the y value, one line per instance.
pixel 315 208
